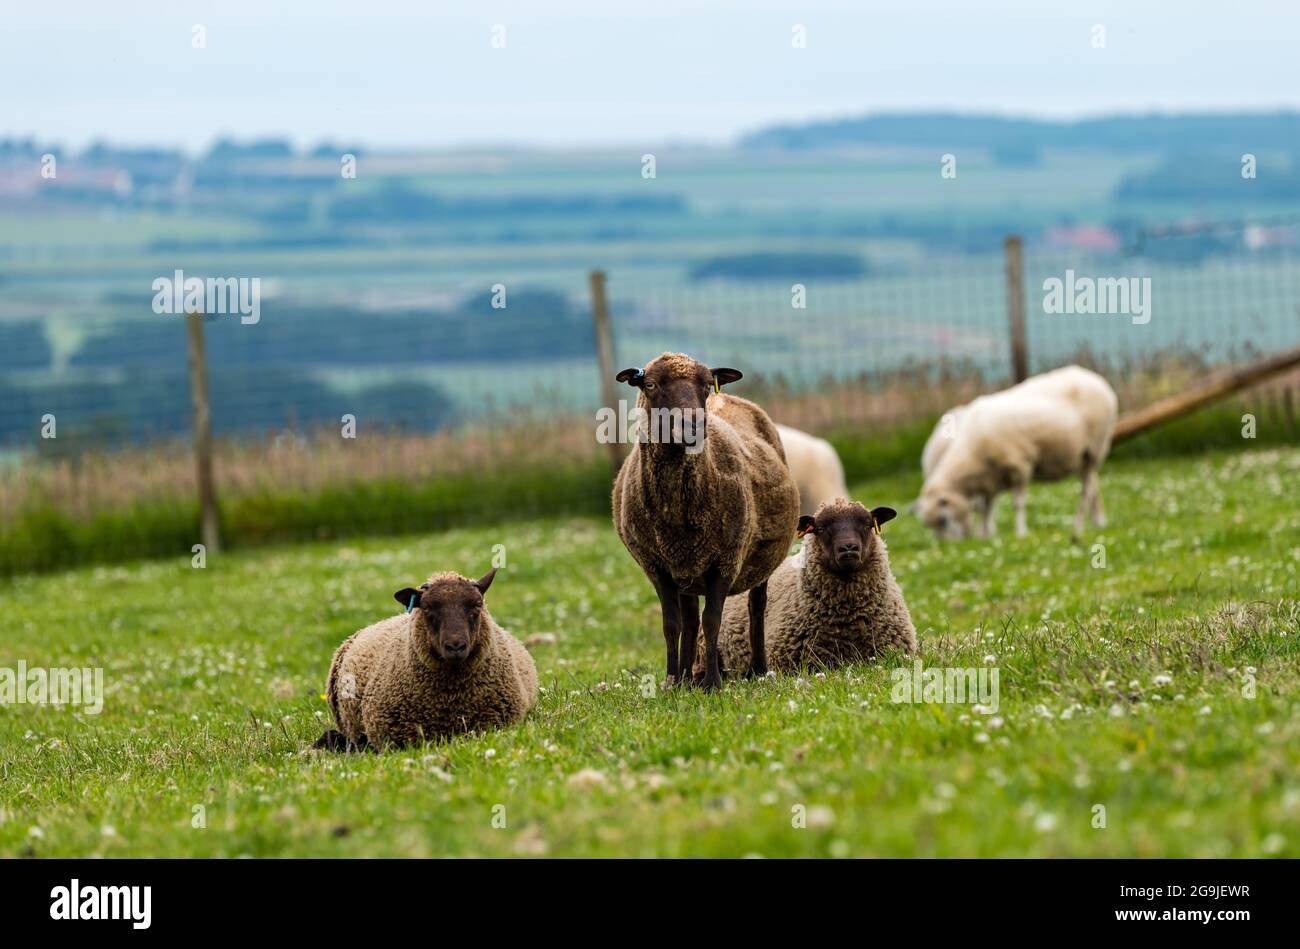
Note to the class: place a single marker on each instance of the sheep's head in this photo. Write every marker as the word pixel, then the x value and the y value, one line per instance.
pixel 674 398
pixel 944 511
pixel 452 609
pixel 843 533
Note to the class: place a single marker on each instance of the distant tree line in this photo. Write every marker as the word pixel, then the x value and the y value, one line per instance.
pixel 1016 138
pixel 1214 177
pixel 780 266
pixel 127 380
pixel 156 403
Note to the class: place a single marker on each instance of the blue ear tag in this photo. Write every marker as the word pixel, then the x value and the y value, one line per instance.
pixel 410 606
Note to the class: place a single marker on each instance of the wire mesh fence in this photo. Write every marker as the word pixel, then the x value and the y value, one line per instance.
pixel 403 385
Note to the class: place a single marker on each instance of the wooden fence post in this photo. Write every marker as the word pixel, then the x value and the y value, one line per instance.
pixel 1014 249
pixel 605 359
pixel 202 434
pixel 1210 388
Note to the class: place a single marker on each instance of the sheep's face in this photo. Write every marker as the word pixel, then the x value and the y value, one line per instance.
pixel 674 398
pixel 844 532
pixel 947 513
pixel 452 608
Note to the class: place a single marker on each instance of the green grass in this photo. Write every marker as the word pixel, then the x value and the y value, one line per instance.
pixel 213 679
pixel 45 538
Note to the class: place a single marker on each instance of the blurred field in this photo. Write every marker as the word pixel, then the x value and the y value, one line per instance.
pixel 1122 686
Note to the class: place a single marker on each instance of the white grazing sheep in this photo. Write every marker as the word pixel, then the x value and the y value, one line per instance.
pixel 1047 427
pixel 815 467
pixel 944 432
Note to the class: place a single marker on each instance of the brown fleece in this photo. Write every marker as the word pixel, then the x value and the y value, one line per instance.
pixel 817 618
pixel 387 686
pixel 732 505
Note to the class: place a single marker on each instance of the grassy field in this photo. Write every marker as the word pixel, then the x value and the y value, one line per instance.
pixel 1161 686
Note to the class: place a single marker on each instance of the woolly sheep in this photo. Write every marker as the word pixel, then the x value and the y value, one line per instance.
pixel 442 668
pixel 815 467
pixel 834 602
pixel 944 432
pixel 1047 427
pixel 709 510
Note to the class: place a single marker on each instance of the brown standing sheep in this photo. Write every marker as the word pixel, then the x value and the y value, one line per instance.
pixel 705 505
pixel 442 668
pixel 833 603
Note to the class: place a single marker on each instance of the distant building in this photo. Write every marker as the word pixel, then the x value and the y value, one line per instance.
pixel 1260 237
pixel 1090 237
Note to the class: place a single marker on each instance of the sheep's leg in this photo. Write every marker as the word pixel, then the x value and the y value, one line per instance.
pixel 690 612
pixel 671 610
pixel 757 642
pixel 1085 500
pixel 1019 493
pixel 990 523
pixel 1098 509
pixel 715 594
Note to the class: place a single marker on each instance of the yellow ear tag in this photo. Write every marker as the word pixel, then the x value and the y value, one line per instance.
pixel 715 385
pixel 875 525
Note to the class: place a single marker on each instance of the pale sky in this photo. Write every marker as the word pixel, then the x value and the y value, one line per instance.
pixel 613 72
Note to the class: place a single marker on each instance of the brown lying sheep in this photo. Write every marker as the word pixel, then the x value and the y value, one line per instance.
pixel 834 602
pixel 442 668
pixel 705 504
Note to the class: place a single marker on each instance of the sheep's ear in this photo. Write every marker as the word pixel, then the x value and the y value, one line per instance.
pixel 406 596
pixel 725 376
pixel 633 376
pixel 807 525
pixel 883 514
pixel 485 581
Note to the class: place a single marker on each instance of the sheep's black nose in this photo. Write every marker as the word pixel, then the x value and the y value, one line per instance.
pixel 456 647
pixel 848 548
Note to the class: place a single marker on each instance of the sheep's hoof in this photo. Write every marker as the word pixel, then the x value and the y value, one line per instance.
pixel 334 740
pixel 757 672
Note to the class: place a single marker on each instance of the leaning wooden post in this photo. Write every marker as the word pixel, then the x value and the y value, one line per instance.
pixel 202 434
pixel 1016 308
pixel 605 360
pixel 1207 390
